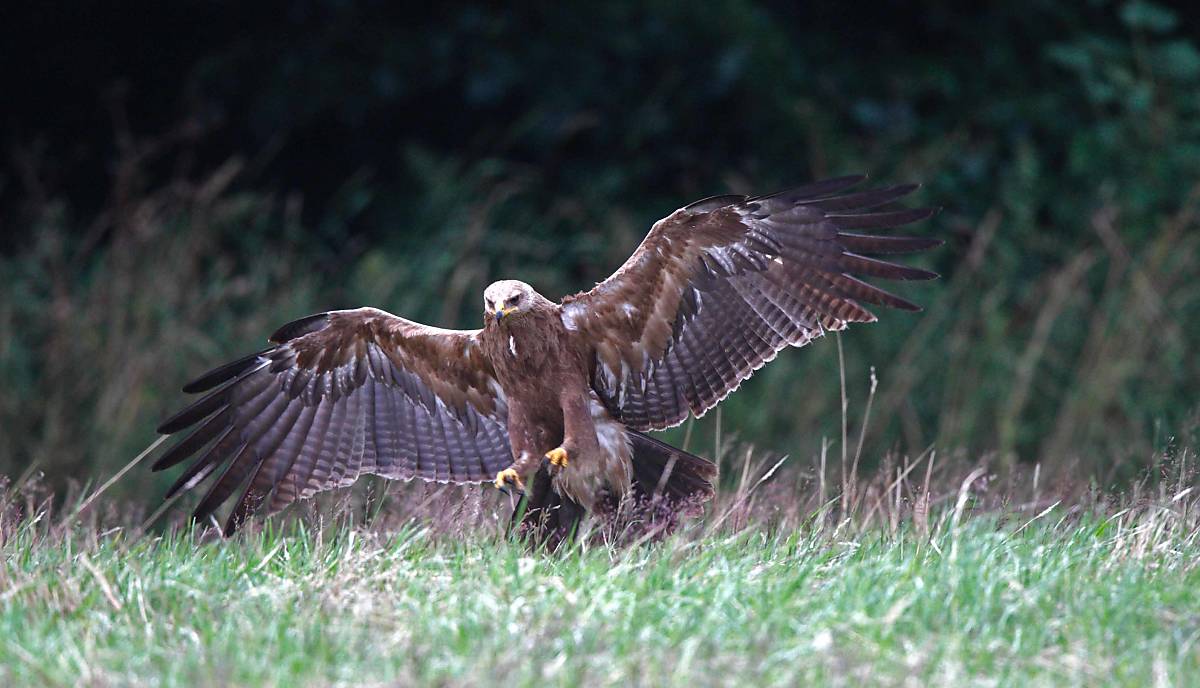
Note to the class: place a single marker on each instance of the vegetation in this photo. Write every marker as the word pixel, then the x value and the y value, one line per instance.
pixel 951 588
pixel 275 164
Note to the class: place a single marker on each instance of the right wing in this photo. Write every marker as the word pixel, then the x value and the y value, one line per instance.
pixel 338 395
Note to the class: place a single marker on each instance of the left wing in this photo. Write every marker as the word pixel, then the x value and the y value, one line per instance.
pixel 719 287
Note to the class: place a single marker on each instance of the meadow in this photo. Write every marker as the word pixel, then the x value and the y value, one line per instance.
pixel 907 581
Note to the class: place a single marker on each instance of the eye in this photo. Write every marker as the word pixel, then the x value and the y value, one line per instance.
pixel 512 300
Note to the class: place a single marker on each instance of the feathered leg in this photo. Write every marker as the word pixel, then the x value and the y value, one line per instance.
pixel 579 429
pixel 522 436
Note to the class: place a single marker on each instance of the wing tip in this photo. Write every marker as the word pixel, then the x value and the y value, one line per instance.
pixel 162 463
pixel 916 275
pixel 174 424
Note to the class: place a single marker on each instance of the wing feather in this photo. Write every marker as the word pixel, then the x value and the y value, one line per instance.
pixel 235 471
pixel 205 465
pixel 225 373
pixel 719 287
pixel 338 395
pixel 291 485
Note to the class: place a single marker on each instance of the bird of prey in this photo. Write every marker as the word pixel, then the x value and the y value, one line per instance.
pixel 555 395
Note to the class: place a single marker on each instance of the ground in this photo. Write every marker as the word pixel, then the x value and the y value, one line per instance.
pixel 995 598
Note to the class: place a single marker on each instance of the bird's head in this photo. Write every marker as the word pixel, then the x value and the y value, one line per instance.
pixel 507 298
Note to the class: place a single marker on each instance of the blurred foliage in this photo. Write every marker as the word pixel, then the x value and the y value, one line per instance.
pixel 166 203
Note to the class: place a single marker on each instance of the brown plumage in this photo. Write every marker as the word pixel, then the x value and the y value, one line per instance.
pixel 562 391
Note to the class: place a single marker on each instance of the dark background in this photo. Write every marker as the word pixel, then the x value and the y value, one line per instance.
pixel 176 179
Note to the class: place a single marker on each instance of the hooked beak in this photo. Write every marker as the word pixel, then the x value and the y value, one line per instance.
pixel 500 313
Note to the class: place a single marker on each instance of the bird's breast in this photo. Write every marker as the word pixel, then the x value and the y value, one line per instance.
pixel 530 348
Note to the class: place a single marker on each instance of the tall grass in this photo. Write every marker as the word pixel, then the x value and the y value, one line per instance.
pixel 937 573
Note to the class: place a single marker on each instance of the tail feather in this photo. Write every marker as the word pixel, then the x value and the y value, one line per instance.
pixel 660 470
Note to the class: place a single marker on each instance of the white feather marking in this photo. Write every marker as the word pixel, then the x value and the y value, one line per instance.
pixel 512 345
pixel 630 310
pixel 621 382
pixel 498 392
pixel 569 316
pixel 609 377
pixel 609 433
pixel 722 257
pixel 611 439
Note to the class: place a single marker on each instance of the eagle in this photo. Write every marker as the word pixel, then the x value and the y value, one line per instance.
pixel 554 396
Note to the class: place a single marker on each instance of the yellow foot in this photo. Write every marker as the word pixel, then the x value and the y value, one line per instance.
pixel 558 457
pixel 508 477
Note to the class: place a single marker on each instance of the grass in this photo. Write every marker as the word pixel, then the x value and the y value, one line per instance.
pixel 1089 594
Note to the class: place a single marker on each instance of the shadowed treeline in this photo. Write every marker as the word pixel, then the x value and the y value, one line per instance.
pixel 178 181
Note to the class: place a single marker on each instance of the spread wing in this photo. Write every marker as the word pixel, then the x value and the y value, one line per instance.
pixel 719 287
pixel 340 394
